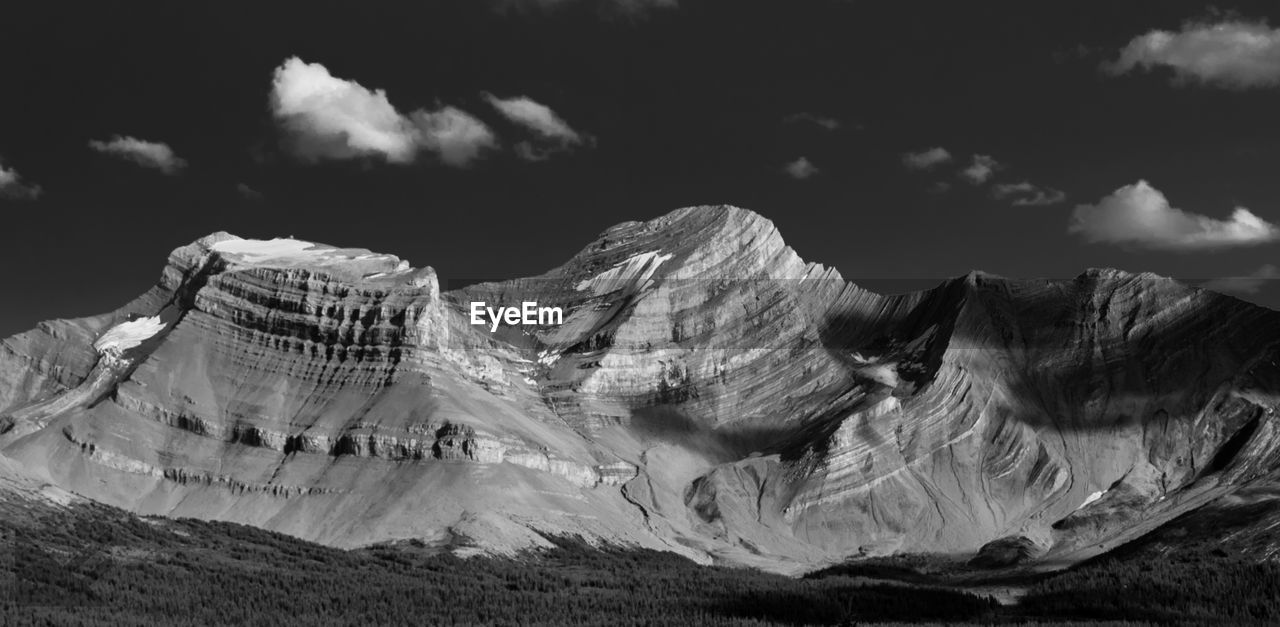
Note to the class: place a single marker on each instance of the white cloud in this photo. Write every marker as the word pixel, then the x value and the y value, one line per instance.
pixel 926 159
pixel 980 170
pixel 456 136
pixel 1248 284
pixel 822 121
pixel 553 132
pixel 334 118
pixel 1140 215
pixel 14 188
pixel 801 169
pixel 1233 54
pixel 338 119
pixel 147 154
pixel 535 116
pixel 1027 194
pixel 1041 198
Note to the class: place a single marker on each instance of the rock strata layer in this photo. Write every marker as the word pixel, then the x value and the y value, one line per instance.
pixel 707 392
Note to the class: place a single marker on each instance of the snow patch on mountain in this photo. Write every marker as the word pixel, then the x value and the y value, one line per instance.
pixel 256 250
pixel 633 273
pixel 126 335
pixel 548 358
pixel 1091 498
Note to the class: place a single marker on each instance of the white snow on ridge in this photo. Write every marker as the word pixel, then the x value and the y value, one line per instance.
pixel 126 335
pixel 278 248
pixel 634 272
pixel 1092 497
pixel 885 374
pixel 548 358
pixel 289 251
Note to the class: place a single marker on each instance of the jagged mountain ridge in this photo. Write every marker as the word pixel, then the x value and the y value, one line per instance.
pixel 708 392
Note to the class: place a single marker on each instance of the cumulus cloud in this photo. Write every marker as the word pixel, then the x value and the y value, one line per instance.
pixel 328 117
pixel 800 169
pixel 926 159
pixel 1140 215
pixel 456 136
pixel 155 155
pixel 338 119
pixel 980 170
pixel 1041 198
pixel 1027 194
pixel 821 121
pixel 552 132
pixel 14 188
pixel 1251 283
pixel 1231 54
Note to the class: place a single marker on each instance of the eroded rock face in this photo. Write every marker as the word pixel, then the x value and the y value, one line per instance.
pixel 707 392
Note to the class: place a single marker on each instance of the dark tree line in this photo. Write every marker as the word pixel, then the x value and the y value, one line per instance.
pixel 96 566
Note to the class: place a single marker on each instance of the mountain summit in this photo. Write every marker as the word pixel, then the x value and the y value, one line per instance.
pixel 706 391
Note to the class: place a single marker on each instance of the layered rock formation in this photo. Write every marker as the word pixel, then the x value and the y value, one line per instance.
pixel 707 392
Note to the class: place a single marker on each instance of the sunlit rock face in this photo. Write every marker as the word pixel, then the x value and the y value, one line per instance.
pixel 707 391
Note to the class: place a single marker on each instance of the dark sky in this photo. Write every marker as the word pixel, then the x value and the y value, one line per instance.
pixel 686 104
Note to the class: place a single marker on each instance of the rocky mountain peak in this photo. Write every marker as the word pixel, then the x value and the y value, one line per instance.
pixel 699 240
pixel 706 391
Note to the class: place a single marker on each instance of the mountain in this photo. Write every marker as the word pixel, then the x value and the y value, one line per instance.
pixel 706 392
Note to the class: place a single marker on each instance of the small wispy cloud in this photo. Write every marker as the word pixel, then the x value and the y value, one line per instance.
pixel 800 169
pixel 13 187
pixel 154 155
pixel 1233 54
pixel 331 118
pixel 1251 283
pixel 456 137
pixel 980 169
pixel 821 121
pixel 535 116
pixel 551 132
pixel 1041 198
pixel 926 159
pixel 1027 194
pixel 1140 215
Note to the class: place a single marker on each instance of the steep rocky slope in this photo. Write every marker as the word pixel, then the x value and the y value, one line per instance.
pixel 707 392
